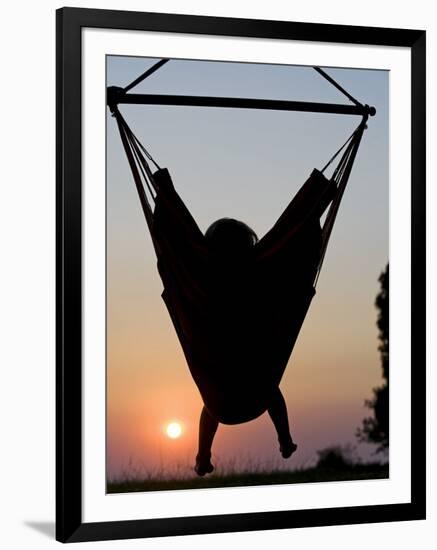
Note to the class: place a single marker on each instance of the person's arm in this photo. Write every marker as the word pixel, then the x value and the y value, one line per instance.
pixel 180 245
pixel 172 220
pixel 304 210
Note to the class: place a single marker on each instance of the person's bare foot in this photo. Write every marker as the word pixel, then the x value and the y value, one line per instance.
pixel 287 448
pixel 203 465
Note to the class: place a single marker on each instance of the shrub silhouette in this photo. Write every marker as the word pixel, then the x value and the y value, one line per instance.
pixel 375 429
pixel 336 458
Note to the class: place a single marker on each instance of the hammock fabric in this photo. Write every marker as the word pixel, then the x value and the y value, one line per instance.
pixel 238 322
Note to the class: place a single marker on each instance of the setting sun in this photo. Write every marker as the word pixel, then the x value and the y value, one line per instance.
pixel 173 430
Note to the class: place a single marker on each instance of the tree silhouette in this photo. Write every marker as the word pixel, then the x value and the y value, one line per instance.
pixel 375 429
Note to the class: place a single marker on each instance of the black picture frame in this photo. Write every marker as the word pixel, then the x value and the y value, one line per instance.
pixel 69 524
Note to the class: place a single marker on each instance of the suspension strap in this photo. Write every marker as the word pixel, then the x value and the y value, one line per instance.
pixel 337 85
pixel 145 74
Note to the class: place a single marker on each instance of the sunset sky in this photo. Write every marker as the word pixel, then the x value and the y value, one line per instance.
pixel 244 164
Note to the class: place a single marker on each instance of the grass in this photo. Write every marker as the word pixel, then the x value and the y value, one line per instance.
pixel 183 478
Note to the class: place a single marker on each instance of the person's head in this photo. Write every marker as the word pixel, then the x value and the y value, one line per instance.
pixel 230 237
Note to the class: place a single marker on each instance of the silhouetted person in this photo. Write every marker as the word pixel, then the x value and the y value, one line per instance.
pixel 237 304
pixel 230 243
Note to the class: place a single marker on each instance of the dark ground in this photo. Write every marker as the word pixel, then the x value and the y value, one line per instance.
pixel 310 475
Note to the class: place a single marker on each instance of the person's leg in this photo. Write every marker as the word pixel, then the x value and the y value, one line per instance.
pixel 207 429
pixel 278 413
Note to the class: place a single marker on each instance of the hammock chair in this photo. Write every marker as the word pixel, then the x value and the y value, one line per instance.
pixel 237 344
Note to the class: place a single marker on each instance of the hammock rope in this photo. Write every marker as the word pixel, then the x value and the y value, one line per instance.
pixel 335 155
pixel 137 164
pixel 340 177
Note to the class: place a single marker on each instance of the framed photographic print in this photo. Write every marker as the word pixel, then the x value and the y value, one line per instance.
pixel 240 274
